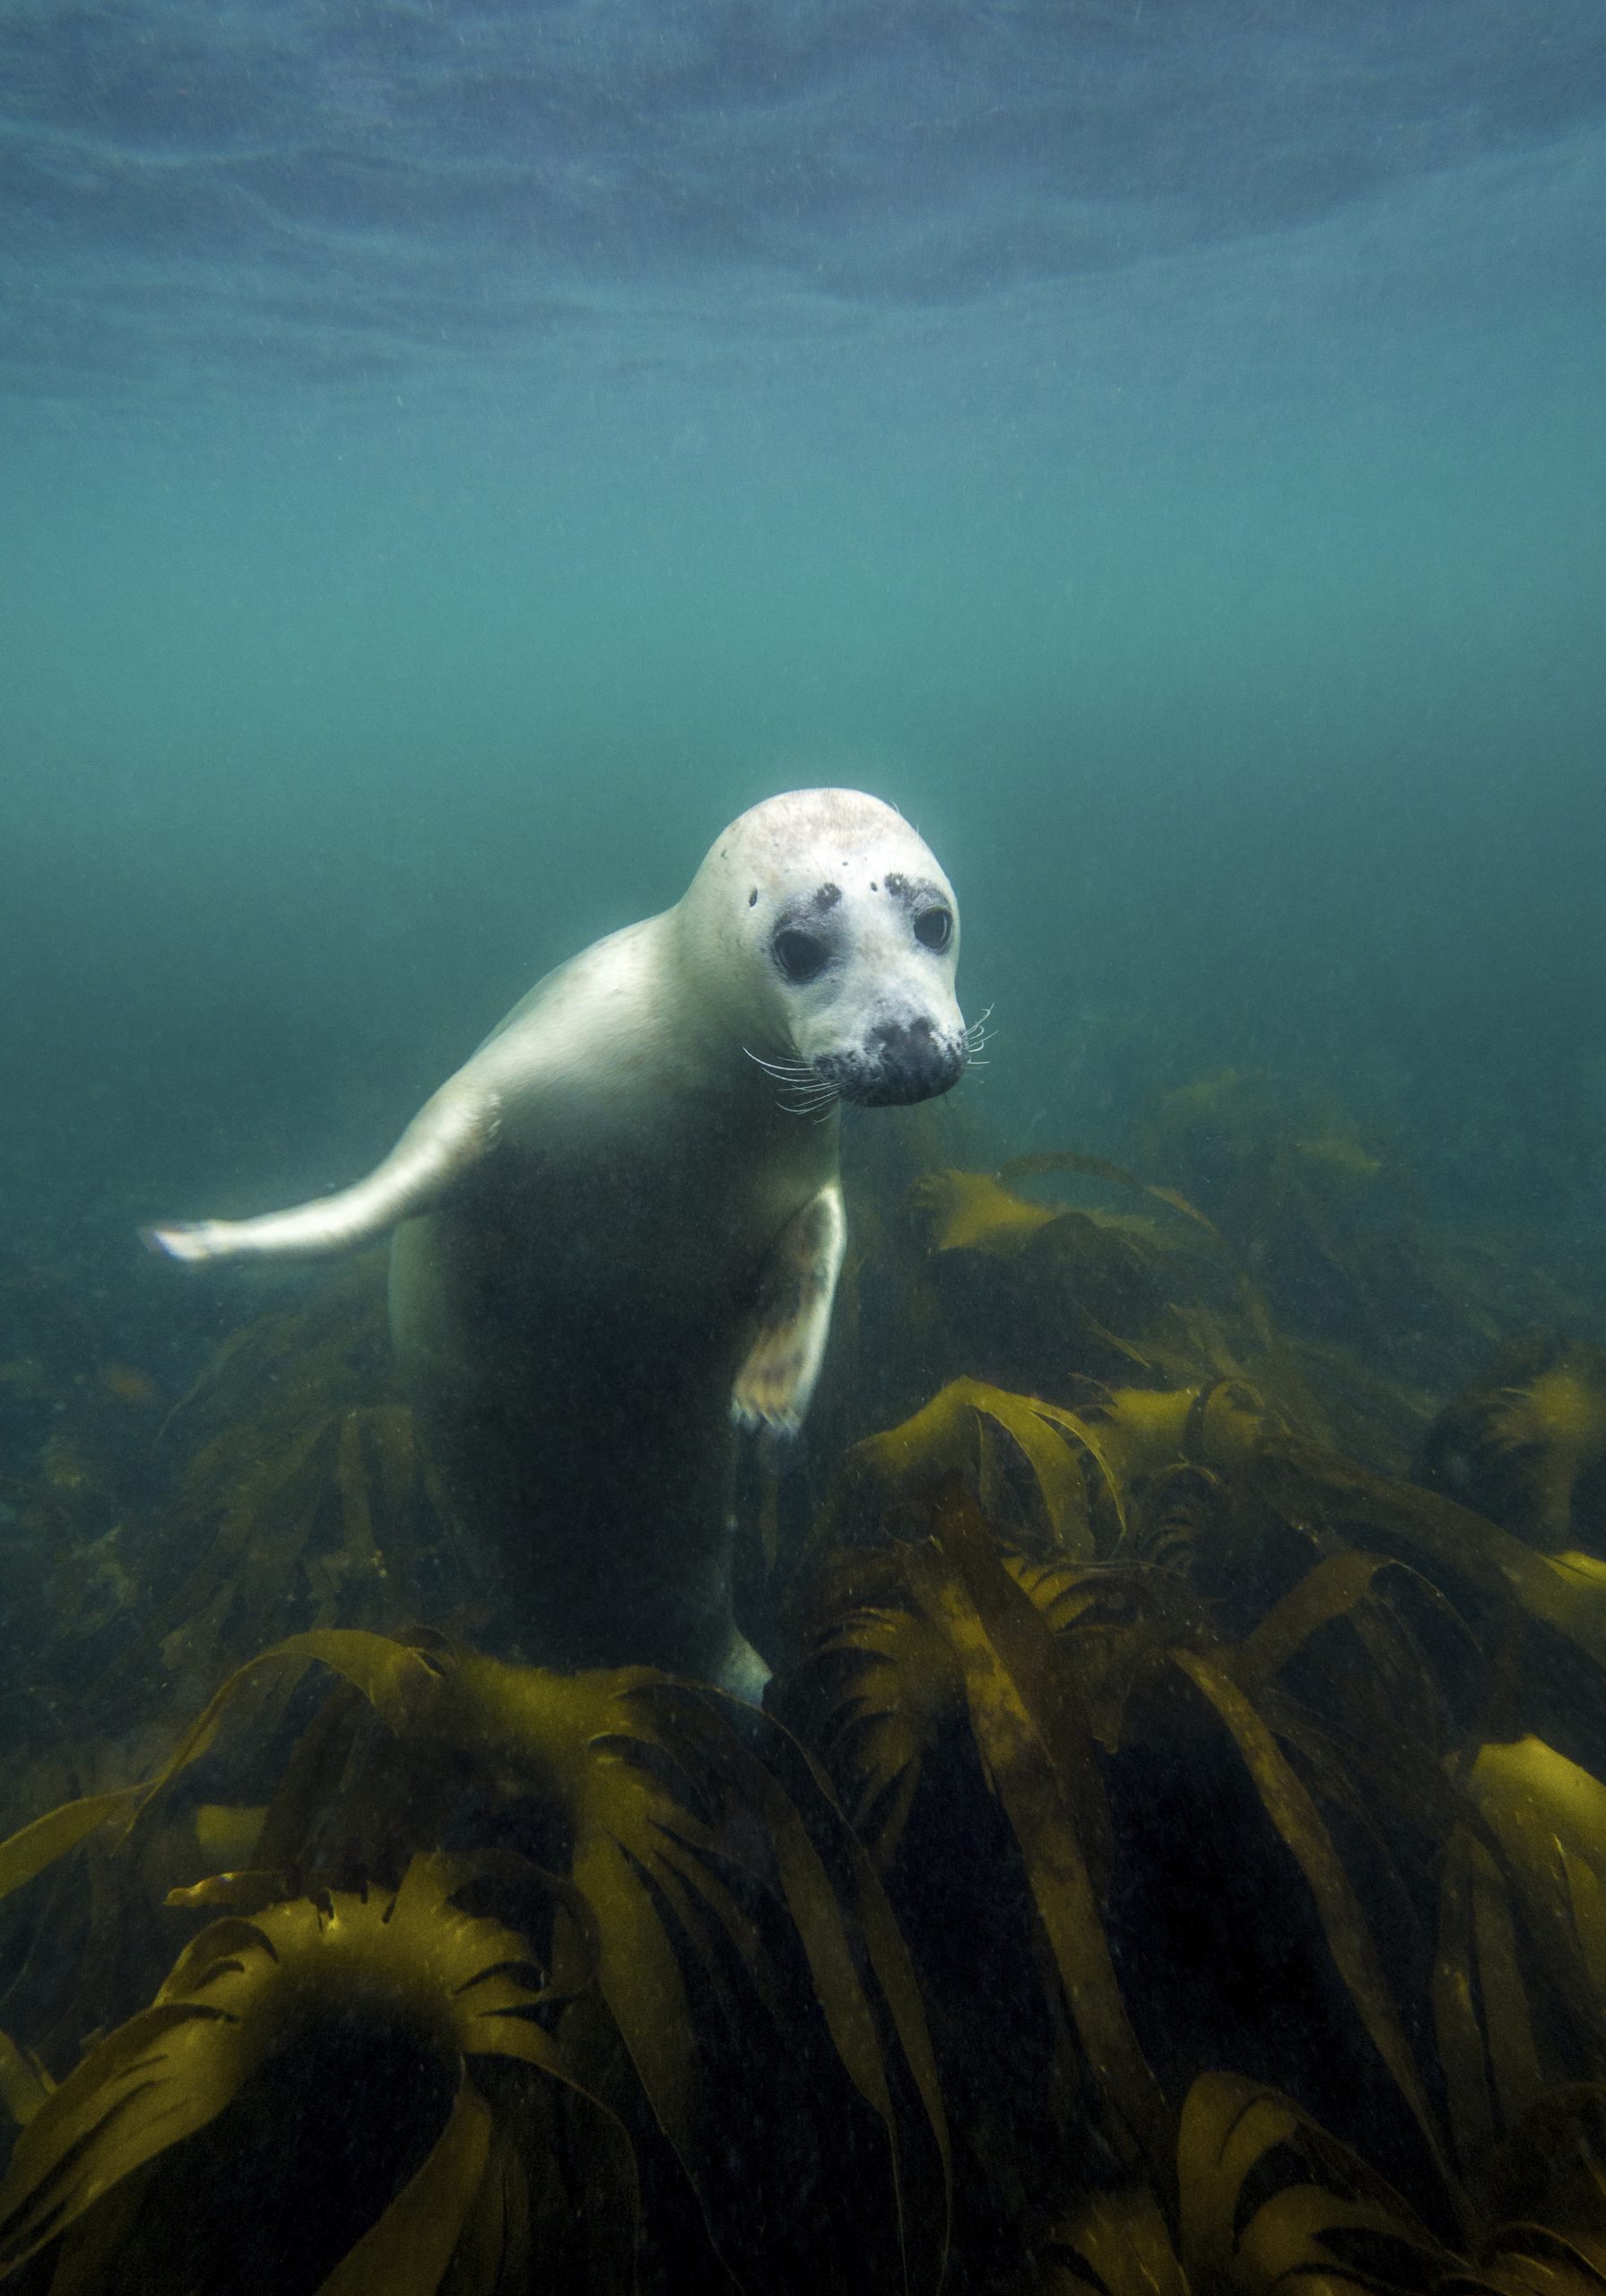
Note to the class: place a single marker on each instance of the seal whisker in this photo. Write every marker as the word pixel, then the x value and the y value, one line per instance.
pixel 787 1072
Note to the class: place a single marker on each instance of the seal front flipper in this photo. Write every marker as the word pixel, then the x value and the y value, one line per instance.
pixel 796 1287
pixel 449 1133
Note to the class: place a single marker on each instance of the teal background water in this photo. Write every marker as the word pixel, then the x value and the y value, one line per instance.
pixel 1160 449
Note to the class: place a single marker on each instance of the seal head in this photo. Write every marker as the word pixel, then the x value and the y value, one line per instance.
pixel 835 918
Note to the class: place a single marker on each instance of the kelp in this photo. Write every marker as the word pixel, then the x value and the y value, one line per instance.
pixel 1520 1987
pixel 1175 1842
pixel 716 1882
pixel 1212 1477
pixel 1354 1265
pixel 1381 1635
pixel 1030 1462
pixel 1053 1298
pixel 685 1816
pixel 24 2083
pixel 1545 2201
pixel 1061 1481
pixel 413 1962
pixel 1525 1445
pixel 38 1846
pixel 973 1276
pixel 1063 1614
pixel 1045 1295
pixel 1059 1668
pixel 150 1551
pixel 1318 1209
pixel 304 1497
pixel 1268 2199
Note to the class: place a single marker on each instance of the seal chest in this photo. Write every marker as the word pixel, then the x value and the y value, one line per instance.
pixel 618 1226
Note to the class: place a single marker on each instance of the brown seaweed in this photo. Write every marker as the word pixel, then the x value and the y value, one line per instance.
pixel 1173 1857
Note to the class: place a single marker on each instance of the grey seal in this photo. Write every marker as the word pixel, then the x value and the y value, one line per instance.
pixel 619 1227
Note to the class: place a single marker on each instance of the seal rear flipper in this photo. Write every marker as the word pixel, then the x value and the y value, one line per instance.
pixel 448 1135
pixel 796 1288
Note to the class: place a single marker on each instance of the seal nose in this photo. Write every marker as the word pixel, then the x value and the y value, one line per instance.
pixel 910 1062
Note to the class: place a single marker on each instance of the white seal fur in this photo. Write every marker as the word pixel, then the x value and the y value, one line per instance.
pixel 619 1227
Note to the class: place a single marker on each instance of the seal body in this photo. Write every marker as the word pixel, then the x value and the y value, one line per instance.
pixel 618 1227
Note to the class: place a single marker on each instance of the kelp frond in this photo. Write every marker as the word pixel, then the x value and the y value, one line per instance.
pixel 302 1496
pixel 1268 2200
pixel 1117 2243
pixel 1033 1465
pixel 874 1691
pixel 1066 1291
pixel 1526 1445
pixel 695 1827
pixel 974 1212
pixel 1544 2202
pixel 412 1962
pixel 1520 1983
pixel 1060 1668
pixel 25 2084
pixel 1060 1481
pixel 687 1815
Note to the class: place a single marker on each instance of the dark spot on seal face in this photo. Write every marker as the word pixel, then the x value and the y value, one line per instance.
pixel 752 899
pixel 805 943
pixel 930 916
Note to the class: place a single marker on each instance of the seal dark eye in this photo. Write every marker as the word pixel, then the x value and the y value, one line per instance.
pixel 933 928
pixel 800 956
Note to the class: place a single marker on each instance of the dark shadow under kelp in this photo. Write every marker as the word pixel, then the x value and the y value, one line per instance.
pixel 1173 1854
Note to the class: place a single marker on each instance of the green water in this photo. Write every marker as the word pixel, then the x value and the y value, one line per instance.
pixel 1239 652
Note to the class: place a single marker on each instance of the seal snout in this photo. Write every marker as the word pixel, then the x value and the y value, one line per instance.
pixel 900 1061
